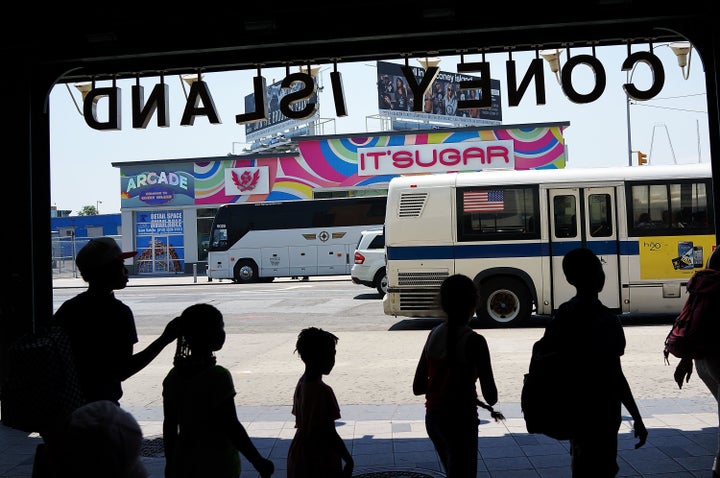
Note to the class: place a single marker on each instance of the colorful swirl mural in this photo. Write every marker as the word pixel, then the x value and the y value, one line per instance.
pixel 332 162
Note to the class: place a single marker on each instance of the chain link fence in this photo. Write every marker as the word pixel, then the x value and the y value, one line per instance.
pixel 64 251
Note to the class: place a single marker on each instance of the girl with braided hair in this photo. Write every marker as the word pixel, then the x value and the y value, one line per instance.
pixel 453 359
pixel 201 431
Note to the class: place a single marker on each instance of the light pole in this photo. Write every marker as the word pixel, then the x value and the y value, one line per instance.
pixel 682 50
pixel 629 133
pixel 97 206
pixel 629 76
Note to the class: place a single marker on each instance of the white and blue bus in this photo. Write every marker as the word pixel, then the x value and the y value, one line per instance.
pixel 257 242
pixel 651 226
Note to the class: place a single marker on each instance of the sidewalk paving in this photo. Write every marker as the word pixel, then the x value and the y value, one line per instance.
pixel 390 440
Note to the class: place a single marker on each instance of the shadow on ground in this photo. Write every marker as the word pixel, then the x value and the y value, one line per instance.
pixel 368 296
pixel 536 321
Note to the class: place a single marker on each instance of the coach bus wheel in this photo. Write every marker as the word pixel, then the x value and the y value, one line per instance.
pixel 246 272
pixel 504 301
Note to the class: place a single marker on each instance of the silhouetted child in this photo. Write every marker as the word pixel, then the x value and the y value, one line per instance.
pixel 453 359
pixel 101 327
pixel 591 338
pixel 103 335
pixel 316 449
pixel 201 430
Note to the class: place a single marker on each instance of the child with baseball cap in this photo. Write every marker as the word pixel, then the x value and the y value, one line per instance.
pixel 102 330
pixel 101 327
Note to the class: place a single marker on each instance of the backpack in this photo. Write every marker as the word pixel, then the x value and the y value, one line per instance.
pixel 688 337
pixel 41 388
pixel 547 398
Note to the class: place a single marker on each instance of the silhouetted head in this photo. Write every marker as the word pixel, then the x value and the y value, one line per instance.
pixel 202 328
pixel 583 270
pixel 102 260
pixel 316 348
pixel 102 439
pixel 714 261
pixel 458 298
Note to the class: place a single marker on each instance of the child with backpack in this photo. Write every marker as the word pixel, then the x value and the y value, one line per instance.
pixel 700 335
pixel 590 339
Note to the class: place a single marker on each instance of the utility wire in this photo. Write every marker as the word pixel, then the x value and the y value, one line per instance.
pixel 668 108
pixel 675 97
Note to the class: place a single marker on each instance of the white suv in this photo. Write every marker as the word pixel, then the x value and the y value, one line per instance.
pixel 369 267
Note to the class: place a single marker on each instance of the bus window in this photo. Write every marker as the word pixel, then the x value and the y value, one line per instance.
pixel 219 237
pixel 688 206
pixel 680 207
pixel 599 208
pixel 565 216
pixel 497 213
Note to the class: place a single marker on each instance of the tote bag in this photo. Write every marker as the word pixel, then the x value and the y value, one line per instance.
pixel 41 387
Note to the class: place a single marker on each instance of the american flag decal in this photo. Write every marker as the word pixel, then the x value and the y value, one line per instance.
pixel 483 201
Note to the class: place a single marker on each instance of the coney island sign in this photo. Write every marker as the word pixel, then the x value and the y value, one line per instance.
pixel 300 101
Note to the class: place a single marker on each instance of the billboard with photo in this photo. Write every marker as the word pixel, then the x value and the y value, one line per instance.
pixel 277 122
pixel 395 100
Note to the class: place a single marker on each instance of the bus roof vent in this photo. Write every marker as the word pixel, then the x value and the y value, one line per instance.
pixel 412 204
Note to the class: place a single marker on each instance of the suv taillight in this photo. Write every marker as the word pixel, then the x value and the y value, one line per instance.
pixel 359 258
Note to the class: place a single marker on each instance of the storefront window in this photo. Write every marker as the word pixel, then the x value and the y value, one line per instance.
pixel 205 218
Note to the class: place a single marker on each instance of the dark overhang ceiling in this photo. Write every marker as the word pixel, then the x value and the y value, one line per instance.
pixel 112 41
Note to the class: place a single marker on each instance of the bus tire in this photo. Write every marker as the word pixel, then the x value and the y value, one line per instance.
pixel 381 281
pixel 504 302
pixel 245 272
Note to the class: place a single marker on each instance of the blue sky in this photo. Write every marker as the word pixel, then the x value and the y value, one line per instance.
pixel 671 128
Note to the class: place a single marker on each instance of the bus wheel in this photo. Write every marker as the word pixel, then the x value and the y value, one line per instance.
pixel 504 301
pixel 381 281
pixel 245 272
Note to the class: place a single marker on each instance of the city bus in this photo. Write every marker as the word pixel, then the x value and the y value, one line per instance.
pixel 651 227
pixel 257 242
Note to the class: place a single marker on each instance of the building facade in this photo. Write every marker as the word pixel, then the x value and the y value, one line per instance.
pixel 167 206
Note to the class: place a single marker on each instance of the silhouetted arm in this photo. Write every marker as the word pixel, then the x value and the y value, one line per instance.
pixel 241 440
pixel 683 371
pixel 324 431
pixel 420 382
pixel 141 359
pixel 341 449
pixel 639 430
pixel 483 364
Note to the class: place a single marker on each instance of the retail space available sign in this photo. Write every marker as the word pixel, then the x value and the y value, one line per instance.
pixel 436 158
pixel 160 223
